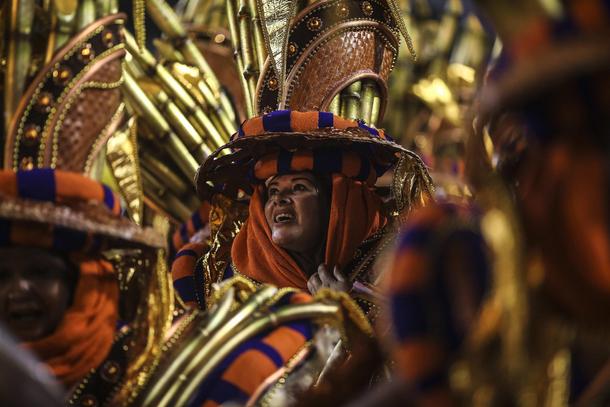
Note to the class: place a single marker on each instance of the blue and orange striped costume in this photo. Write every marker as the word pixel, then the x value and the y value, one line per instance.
pixel 439 246
pixel 238 377
pixel 198 221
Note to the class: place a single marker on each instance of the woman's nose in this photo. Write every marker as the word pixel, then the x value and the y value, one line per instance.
pixel 283 197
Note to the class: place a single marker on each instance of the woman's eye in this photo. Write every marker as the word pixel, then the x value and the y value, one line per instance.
pixel 272 191
pixel 299 187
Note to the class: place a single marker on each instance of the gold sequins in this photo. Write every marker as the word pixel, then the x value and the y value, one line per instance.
pixel 31 133
pixel 272 83
pixel 44 102
pixel 108 38
pixel 342 10
pixel 62 75
pixel 27 163
pixel 367 8
pixel 292 48
pixel 314 24
pixel 110 371
pixel 86 53
pixel 88 400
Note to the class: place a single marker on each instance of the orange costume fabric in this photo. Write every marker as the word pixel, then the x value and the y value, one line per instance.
pixel 354 216
pixel 84 337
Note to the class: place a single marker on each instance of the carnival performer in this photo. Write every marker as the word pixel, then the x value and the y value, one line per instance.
pixel 81 285
pixel 539 329
pixel 313 204
pixel 309 155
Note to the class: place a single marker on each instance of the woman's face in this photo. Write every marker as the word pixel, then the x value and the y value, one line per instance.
pixel 34 291
pixel 294 212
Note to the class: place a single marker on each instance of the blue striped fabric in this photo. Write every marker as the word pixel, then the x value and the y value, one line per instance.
pixel 283 161
pixel 186 252
pixel 108 196
pixel 409 315
pixel 68 239
pixel 327 160
pixel 186 288
pixel 37 184
pixel 278 121
pixel 325 119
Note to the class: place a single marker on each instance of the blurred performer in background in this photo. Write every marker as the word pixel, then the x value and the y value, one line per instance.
pixel 520 315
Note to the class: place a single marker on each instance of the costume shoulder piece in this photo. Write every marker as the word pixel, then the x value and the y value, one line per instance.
pixel 211 356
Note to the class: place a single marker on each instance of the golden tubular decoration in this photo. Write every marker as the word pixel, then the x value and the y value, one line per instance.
pixel 185 130
pixel 85 14
pixel 65 11
pixel 350 99
pixel 209 345
pixel 250 71
pixel 335 105
pixel 205 327
pixel 18 56
pixel 167 20
pixel 259 39
pixel 190 79
pixel 105 7
pixel 235 40
pixel 161 171
pixel 122 157
pixel 261 324
pixel 188 106
pixel 192 9
pixel 162 197
pixel 369 91
pixel 159 126
pixel 375 110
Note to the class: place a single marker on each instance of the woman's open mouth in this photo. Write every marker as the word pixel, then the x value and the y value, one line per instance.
pixel 24 314
pixel 283 217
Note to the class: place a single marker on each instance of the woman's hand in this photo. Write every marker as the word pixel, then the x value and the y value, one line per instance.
pixel 325 279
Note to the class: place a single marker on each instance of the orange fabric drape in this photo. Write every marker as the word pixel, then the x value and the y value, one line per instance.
pixel 354 216
pixel 84 337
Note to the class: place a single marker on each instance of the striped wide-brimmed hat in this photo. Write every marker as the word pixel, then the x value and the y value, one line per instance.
pixel 286 141
pixel 66 211
pixel 544 44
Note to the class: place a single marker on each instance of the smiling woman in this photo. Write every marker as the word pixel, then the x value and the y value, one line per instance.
pixel 296 211
pixel 315 219
pixel 36 287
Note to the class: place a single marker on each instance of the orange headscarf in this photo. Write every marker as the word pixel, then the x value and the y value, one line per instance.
pixel 354 216
pixel 84 336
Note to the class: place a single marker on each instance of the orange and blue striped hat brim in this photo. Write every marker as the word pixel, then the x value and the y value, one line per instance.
pixel 585 19
pixel 57 187
pixel 62 187
pixel 289 121
pixel 319 160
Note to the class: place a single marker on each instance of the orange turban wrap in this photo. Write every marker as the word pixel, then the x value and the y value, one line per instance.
pixel 84 336
pixel 354 216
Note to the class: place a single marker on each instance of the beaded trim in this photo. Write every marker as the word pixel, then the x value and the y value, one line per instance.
pixel 101 42
pixel 330 15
